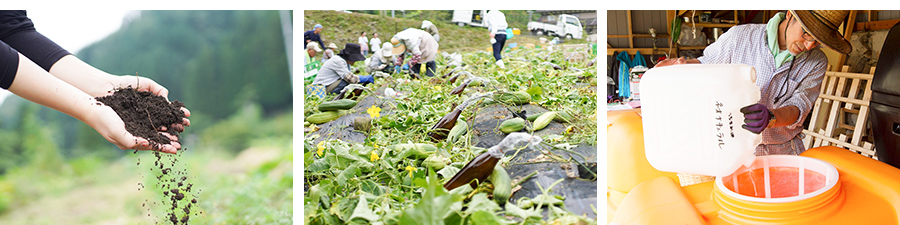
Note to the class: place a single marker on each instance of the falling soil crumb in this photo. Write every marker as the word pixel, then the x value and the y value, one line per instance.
pixel 178 199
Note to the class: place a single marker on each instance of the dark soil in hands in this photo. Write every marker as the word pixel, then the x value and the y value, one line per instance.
pixel 144 113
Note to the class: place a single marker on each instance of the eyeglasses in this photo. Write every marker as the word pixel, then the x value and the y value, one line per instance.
pixel 806 36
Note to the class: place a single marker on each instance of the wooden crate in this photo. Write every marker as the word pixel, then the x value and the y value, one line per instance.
pixel 840 114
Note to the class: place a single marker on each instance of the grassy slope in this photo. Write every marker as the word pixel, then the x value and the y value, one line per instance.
pixel 342 28
pixel 251 187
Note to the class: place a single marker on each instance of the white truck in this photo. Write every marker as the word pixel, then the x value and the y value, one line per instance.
pixel 469 17
pixel 563 25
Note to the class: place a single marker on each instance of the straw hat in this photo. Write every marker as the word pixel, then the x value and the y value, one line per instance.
pixel 823 25
pixel 398 47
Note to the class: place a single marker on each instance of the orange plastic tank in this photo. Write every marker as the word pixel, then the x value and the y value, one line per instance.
pixel 627 146
pixel 864 191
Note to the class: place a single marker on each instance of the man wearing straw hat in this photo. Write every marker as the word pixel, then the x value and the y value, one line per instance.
pixel 422 46
pixel 789 70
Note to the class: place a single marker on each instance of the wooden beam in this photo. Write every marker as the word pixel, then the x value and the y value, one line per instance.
pixel 630 32
pixel 631 51
pixel 736 17
pixel 719 25
pixel 749 16
pixel 875 25
pixel 848 32
pixel 671 15
pixel 661 36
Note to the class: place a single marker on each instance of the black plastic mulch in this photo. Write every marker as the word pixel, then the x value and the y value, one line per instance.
pixel 342 128
pixel 579 185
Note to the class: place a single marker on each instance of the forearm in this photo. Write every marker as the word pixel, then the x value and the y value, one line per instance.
pixel 36 85
pixel 785 116
pixel 84 76
pixel 96 82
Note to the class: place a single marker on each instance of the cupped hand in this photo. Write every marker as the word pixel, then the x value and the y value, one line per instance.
pixel 105 120
pixel 147 84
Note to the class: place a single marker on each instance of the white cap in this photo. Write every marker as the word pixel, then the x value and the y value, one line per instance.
pixel 313 45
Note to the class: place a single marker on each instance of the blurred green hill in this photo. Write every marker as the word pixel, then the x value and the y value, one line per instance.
pixel 342 27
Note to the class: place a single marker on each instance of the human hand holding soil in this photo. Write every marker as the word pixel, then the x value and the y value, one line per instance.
pixel 153 121
pixel 146 84
pixel 105 120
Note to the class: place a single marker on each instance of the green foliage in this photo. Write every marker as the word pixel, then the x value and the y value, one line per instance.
pixel 10 150
pixel 339 174
pixel 434 205
pixel 7 192
pixel 238 131
pixel 235 132
pixel 207 59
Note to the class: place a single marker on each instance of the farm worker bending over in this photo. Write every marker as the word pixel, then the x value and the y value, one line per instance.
pixel 335 74
pixel 37 69
pixel 496 24
pixel 329 52
pixel 422 46
pixel 432 29
pixel 789 70
pixel 380 60
pixel 313 35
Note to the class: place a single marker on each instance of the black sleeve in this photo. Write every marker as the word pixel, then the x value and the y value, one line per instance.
pixel 9 64
pixel 17 30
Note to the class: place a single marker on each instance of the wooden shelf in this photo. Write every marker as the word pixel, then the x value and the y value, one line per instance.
pixel 672 14
pixel 714 25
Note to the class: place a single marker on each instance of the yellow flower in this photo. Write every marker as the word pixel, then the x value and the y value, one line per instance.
pixel 320 148
pixel 373 156
pixel 410 169
pixel 438 88
pixel 374 112
pixel 376 145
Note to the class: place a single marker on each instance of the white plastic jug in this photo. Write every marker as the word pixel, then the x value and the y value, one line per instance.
pixel 692 119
